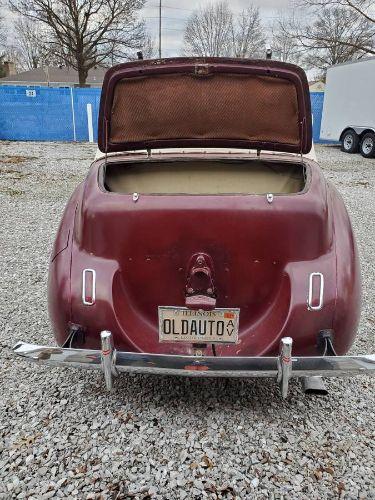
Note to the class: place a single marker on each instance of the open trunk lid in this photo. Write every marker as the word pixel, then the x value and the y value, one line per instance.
pixel 205 102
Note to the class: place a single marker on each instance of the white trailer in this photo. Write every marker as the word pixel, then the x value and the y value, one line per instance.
pixel 349 106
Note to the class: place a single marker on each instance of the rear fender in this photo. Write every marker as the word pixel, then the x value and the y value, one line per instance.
pixel 59 276
pixel 348 276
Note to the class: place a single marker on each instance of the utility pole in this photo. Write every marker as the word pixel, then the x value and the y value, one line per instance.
pixel 159 29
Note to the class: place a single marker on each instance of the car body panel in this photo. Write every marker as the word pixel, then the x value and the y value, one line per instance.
pixel 263 254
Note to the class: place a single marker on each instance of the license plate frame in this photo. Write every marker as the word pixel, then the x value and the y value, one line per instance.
pixel 197 321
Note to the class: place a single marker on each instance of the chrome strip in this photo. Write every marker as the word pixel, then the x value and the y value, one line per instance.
pixel 321 291
pixel 93 297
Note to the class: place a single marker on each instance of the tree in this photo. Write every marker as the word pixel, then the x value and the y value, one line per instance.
pixel 2 40
pixel 148 49
pixel 2 69
pixel 29 48
pixel 208 31
pixel 336 36
pixel 349 23
pixel 248 39
pixel 29 43
pixel 9 54
pixel 87 33
pixel 284 45
pixel 2 32
pixel 215 31
pixel 363 8
pixel 319 38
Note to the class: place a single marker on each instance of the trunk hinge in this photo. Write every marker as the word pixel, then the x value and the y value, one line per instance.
pixel 106 141
pixel 302 135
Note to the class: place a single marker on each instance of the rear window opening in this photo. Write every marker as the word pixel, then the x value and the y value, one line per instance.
pixel 205 177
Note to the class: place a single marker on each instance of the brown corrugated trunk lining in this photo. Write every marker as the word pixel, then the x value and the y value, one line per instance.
pixel 218 106
pixel 205 177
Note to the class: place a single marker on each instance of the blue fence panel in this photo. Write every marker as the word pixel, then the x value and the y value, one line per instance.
pixel 60 114
pixel 45 115
pixel 82 97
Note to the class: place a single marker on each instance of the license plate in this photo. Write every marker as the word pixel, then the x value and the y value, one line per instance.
pixel 180 324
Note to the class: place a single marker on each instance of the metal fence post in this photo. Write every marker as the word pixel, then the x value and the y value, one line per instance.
pixel 89 122
pixel 73 115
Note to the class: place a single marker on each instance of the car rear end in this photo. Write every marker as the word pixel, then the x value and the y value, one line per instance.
pixel 227 262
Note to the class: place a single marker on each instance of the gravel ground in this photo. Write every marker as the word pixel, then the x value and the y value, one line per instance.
pixel 62 436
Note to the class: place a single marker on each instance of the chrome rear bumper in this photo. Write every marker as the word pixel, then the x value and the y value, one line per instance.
pixel 282 367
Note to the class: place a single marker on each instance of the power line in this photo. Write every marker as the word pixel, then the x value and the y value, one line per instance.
pixel 172 29
pixel 164 17
pixel 174 8
pixel 159 6
pixel 160 17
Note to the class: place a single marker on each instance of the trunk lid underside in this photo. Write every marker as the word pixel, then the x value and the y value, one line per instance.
pixel 205 102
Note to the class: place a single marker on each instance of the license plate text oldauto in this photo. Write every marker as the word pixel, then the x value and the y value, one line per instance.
pixel 179 324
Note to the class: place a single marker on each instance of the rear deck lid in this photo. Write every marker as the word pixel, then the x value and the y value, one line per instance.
pixel 205 102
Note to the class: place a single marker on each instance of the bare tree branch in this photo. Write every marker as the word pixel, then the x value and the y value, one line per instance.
pixel 285 46
pixel 248 37
pixel 87 33
pixel 364 8
pixel 2 32
pixel 215 31
pixel 29 45
pixel 329 35
pixel 208 31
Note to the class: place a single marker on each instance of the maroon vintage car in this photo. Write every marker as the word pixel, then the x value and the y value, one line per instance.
pixel 205 241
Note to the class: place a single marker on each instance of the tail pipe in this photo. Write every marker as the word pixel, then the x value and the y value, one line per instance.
pixel 314 385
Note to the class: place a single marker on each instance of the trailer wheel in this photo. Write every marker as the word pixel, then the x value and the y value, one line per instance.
pixel 367 147
pixel 349 142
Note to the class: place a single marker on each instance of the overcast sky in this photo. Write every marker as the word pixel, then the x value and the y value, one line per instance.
pixel 175 14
